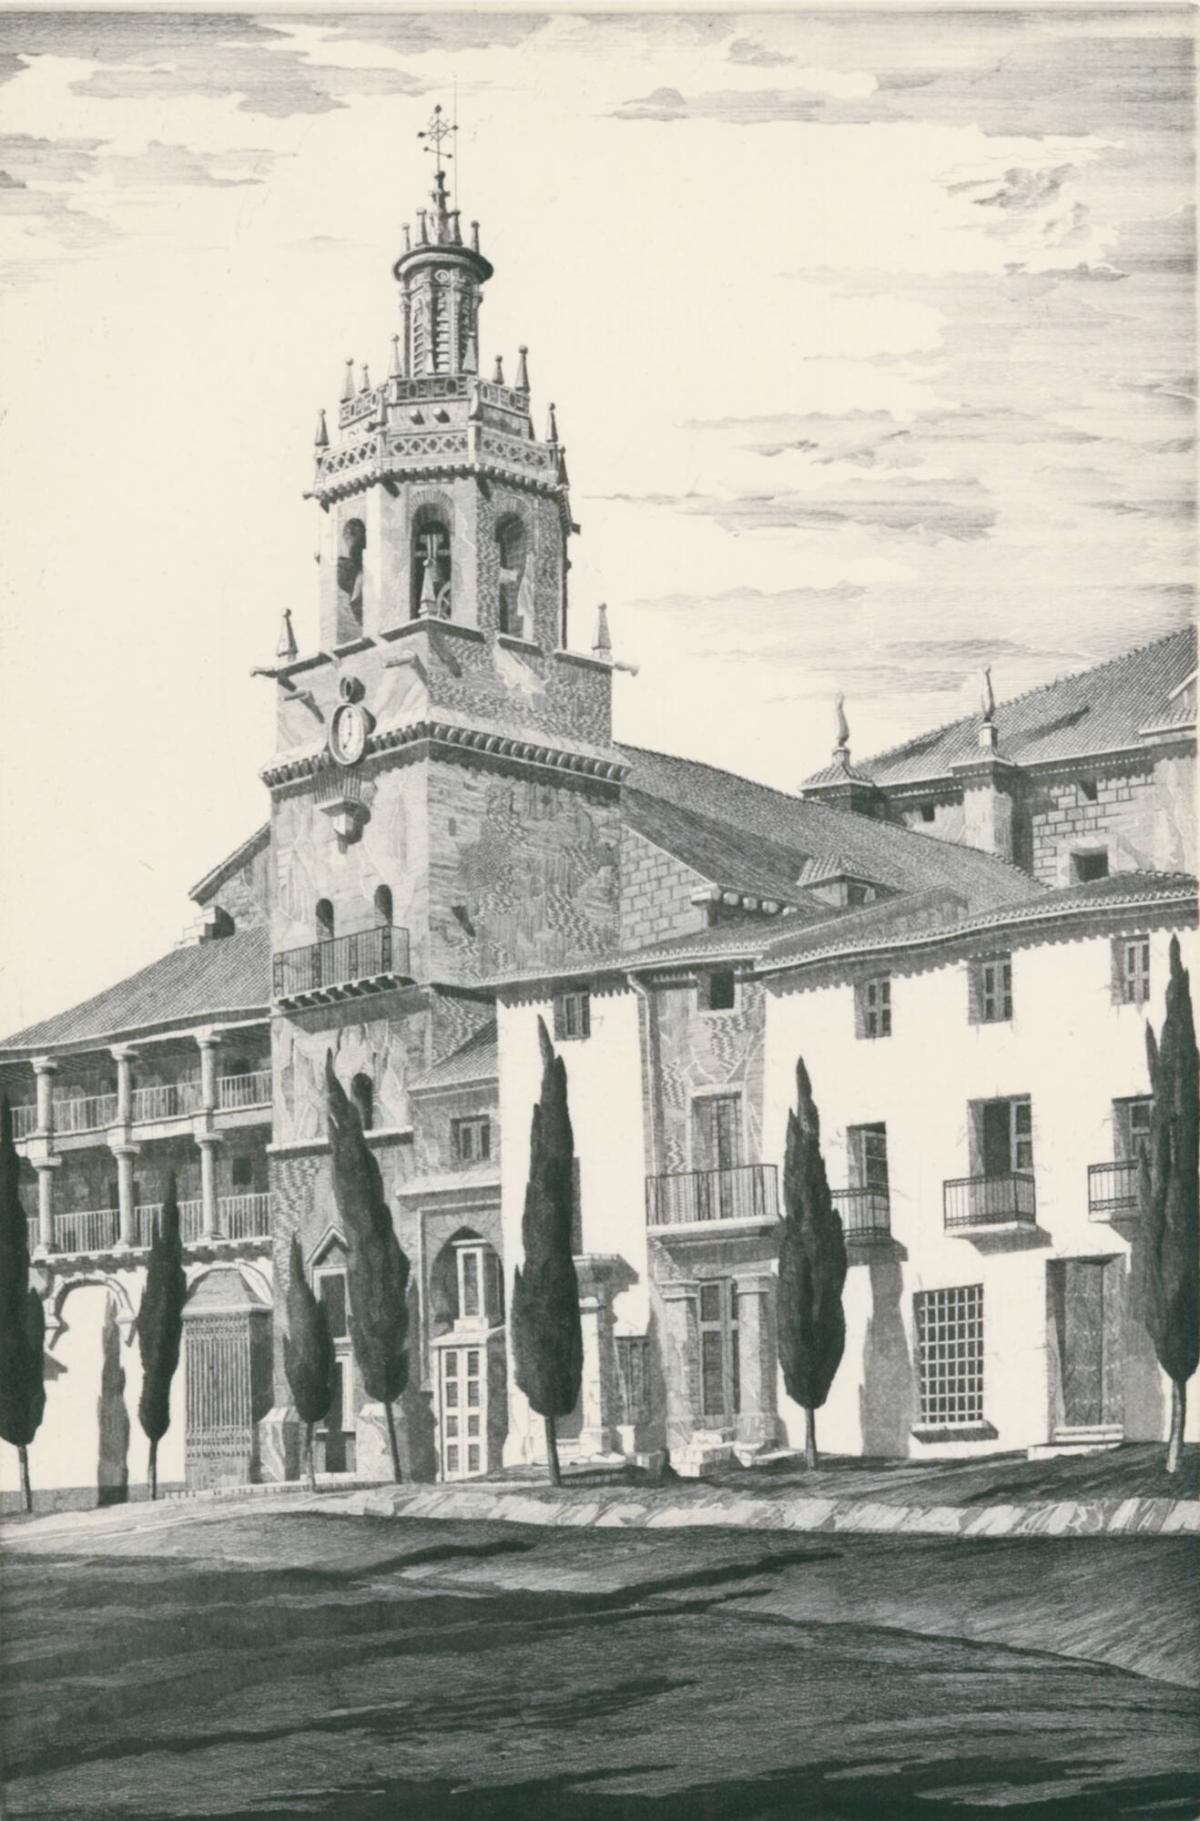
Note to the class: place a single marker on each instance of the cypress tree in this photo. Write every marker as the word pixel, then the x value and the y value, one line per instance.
pixel 307 1354
pixel 22 1321
pixel 160 1327
pixel 547 1336
pixel 1170 1202
pixel 377 1270
pixel 812 1268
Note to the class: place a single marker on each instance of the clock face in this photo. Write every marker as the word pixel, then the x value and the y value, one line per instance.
pixel 348 733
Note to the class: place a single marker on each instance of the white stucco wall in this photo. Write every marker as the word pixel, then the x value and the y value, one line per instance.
pixel 605 1099
pixel 1069 1048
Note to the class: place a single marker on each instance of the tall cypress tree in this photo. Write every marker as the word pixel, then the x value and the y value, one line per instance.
pixel 22 1321
pixel 308 1357
pixel 1170 1203
pixel 160 1326
pixel 377 1270
pixel 812 1268
pixel 547 1335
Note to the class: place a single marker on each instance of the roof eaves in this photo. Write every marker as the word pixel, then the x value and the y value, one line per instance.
pixel 243 852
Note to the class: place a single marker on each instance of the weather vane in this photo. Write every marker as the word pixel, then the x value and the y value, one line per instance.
pixel 436 131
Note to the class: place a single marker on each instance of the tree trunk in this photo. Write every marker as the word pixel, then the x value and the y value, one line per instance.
pixel 25 1486
pixel 392 1443
pixel 552 1451
pixel 154 1470
pixel 308 1455
pixel 810 1437
pixel 1178 1413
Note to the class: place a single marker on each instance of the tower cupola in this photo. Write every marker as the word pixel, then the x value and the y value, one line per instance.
pixel 440 278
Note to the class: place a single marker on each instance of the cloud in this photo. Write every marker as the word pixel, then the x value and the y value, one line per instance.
pixel 1018 189
pixel 750 51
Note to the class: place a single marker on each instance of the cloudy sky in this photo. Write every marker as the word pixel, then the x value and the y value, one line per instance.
pixel 870 334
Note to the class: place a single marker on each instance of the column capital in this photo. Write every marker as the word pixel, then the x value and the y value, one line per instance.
pixel 124 1052
pixel 44 1065
pixel 46 1163
pixel 209 1039
pixel 205 1139
pixel 755 1283
pixel 679 1292
pixel 121 1147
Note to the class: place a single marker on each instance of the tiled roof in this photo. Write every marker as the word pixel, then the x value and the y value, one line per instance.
pixel 477 1060
pixel 1096 711
pixel 739 938
pixel 231 977
pixel 880 851
pixel 723 855
pixel 883 928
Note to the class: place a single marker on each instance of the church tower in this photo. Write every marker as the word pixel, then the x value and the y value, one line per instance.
pixel 444 768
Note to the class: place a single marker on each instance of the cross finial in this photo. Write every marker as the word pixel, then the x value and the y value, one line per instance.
pixel 438 129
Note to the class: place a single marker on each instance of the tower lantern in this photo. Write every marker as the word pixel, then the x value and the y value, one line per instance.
pixel 440 279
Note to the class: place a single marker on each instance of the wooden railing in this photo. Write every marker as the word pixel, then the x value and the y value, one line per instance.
pixel 245 1216
pixel 1113 1188
pixel 237 1091
pixel 146 1217
pixel 866 1213
pixel 84 1112
pixel 24 1121
pixel 747 1192
pixel 169 1100
pixel 92 1230
pixel 989 1201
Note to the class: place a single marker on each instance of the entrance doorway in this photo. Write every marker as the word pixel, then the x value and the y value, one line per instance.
pixel 720 1387
pixel 1084 1299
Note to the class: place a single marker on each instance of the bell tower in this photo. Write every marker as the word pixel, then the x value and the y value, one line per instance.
pixel 442 752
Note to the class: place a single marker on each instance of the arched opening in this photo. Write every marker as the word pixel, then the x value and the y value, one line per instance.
pixel 324 920
pixel 383 906
pixel 512 550
pixel 431 590
pixel 362 1093
pixel 350 568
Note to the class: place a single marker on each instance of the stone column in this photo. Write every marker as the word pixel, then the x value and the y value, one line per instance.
pixel 597 1391
pixel 127 1229
pixel 757 1421
pixel 209 1043
pixel 210 1225
pixel 45 1167
pixel 45 1069
pixel 124 1055
pixel 681 1360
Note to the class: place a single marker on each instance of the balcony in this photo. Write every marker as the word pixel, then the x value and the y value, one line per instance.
pixel 343 967
pixel 866 1214
pixel 746 1196
pixel 24 1122
pixel 94 1230
pixel 990 1204
pixel 170 1100
pixel 244 1216
pixel 1113 1190
pixel 237 1092
pixel 146 1217
pixel 84 1113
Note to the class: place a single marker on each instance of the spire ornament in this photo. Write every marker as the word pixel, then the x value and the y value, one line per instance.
pixel 287 647
pixel 321 439
pixel 841 751
pixel 988 735
pixel 348 383
pixel 601 638
pixel 522 380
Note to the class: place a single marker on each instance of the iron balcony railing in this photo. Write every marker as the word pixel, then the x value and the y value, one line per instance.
pixel 169 1100
pixel 866 1213
pixel 24 1121
pixel 989 1201
pixel 1113 1188
pixel 747 1192
pixel 91 1230
pixel 237 1091
pixel 85 1112
pixel 146 1217
pixel 341 961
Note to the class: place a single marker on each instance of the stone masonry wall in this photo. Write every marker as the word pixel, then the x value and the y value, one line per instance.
pixel 656 893
pixel 1063 822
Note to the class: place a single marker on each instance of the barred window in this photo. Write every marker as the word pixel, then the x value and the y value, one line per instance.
pixel 950 1356
pixel 1131 970
pixel 991 994
pixel 873 1007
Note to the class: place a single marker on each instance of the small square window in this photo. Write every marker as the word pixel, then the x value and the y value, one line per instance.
pixel 1090 865
pixel 242 1172
pixel 873 1007
pixel 928 812
pixel 472 1140
pixel 718 990
pixel 572 1016
pixel 1088 790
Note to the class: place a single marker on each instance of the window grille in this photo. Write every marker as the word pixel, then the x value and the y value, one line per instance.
pixel 950 1356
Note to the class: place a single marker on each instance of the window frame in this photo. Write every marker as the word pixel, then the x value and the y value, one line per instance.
pixel 1132 985
pixel 581 998
pixel 949 1330
pixel 991 1001
pixel 704 984
pixel 867 1156
pixel 873 1008
pixel 460 1127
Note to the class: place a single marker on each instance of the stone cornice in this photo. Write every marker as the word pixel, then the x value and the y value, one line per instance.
pixel 450 735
